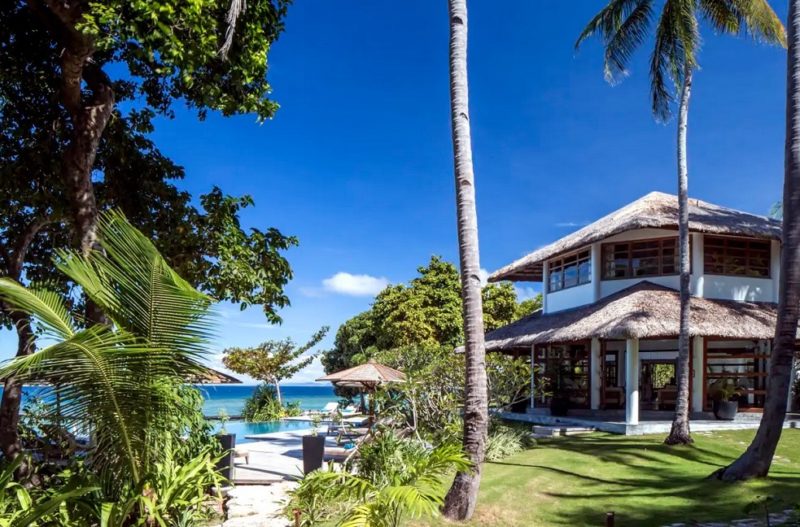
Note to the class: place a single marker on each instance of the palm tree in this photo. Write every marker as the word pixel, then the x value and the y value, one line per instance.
pixel 461 498
pixel 756 460
pixel 410 487
pixel 118 380
pixel 624 25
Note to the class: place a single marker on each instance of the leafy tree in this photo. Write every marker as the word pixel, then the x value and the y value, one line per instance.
pixel 210 54
pixel 624 25
pixel 756 460
pixel 426 312
pixel 272 361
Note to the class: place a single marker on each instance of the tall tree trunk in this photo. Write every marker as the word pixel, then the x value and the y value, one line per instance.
pixel 756 460
pixel 462 496
pixel 12 392
pixel 278 390
pixel 679 434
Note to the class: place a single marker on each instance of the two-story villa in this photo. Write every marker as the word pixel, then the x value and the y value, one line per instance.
pixel 606 338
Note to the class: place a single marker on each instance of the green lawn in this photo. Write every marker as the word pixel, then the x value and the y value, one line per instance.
pixel 574 481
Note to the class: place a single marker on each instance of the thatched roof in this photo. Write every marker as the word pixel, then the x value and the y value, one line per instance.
pixel 212 376
pixel 368 374
pixel 644 310
pixel 653 211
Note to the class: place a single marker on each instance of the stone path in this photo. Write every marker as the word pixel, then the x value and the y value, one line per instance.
pixel 258 505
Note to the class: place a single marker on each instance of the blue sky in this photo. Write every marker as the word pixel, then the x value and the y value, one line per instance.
pixel 357 162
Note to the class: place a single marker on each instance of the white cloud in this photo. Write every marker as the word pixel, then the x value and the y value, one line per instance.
pixel 572 224
pixel 355 284
pixel 525 292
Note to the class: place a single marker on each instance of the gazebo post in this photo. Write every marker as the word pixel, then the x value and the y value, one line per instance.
pixel 595 369
pixel 632 381
pixel 533 376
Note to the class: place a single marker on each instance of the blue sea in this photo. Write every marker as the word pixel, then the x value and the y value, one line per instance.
pixel 231 397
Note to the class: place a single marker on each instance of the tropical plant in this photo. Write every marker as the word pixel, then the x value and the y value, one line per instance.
pixel 262 405
pixel 757 459
pixel 19 508
pixel 506 440
pixel 725 390
pixel 274 360
pixel 398 479
pixel 119 380
pixel 624 25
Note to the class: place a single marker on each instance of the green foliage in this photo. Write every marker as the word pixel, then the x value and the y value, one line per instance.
pixel 273 360
pixel 430 400
pixel 124 379
pixel 426 312
pixel 624 25
pixel 396 480
pixel 19 508
pixel 505 440
pixel 262 405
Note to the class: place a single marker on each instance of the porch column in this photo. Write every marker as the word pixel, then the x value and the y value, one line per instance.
pixel 698 374
pixel 595 372
pixel 533 377
pixel 697 256
pixel 632 381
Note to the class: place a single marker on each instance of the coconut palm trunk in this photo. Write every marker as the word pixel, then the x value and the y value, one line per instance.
pixel 679 434
pixel 462 496
pixel 756 460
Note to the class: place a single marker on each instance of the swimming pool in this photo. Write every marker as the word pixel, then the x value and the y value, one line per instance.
pixel 242 428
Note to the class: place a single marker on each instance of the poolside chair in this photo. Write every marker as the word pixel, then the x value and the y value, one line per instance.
pixel 241 452
pixel 330 408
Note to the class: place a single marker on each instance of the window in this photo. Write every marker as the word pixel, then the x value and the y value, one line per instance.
pixel 737 256
pixel 640 258
pixel 569 271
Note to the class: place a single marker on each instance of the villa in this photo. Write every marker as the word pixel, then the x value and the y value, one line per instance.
pixel 606 337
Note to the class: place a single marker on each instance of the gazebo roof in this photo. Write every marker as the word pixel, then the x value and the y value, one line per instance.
pixel 644 310
pixel 655 210
pixel 369 373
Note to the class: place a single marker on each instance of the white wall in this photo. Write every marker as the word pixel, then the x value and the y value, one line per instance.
pixel 741 288
pixel 570 297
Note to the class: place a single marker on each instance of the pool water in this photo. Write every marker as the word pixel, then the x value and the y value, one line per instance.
pixel 242 429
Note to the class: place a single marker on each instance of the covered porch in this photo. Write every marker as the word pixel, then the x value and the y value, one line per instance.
pixel 612 365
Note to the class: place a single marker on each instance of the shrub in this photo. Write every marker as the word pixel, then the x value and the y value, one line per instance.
pixel 263 406
pixel 506 440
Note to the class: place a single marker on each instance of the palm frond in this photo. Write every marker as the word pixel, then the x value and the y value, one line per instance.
pixel 607 21
pixel 47 307
pixel 674 53
pixel 628 37
pixel 760 20
pixel 722 15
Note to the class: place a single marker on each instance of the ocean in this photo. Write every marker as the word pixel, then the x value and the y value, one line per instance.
pixel 231 397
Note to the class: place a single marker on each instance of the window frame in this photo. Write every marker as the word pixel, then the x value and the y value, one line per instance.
pixel 580 256
pixel 748 252
pixel 604 247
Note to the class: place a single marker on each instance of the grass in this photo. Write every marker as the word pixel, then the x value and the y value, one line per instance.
pixel 575 480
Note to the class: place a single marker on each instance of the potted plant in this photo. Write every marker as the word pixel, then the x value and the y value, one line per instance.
pixel 228 443
pixel 725 394
pixel 313 446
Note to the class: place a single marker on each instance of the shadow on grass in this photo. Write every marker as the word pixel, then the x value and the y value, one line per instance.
pixel 647 483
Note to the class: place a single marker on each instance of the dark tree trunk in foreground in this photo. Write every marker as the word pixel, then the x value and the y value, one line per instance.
pixel 679 434
pixel 461 498
pixel 756 460
pixel 12 391
pixel 89 112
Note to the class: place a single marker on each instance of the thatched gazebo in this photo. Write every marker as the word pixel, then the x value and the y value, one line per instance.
pixel 366 377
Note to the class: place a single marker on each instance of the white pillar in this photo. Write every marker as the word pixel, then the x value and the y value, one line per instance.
pixel 597 266
pixel 632 381
pixel 533 377
pixel 698 264
pixel 698 374
pixel 596 370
